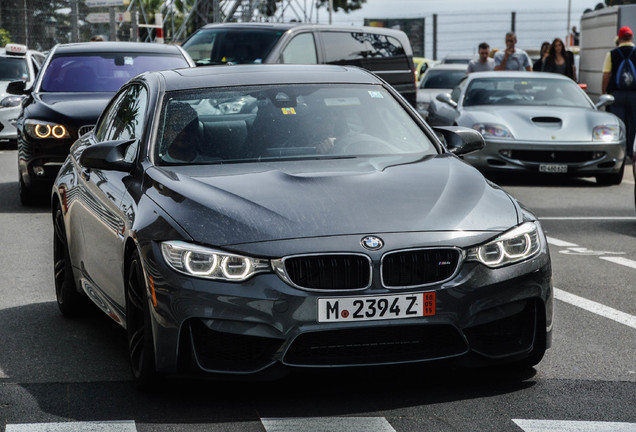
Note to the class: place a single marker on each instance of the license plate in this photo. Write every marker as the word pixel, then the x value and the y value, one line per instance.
pixel 376 308
pixel 553 168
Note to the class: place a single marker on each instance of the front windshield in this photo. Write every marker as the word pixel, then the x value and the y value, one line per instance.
pixel 442 79
pixel 285 122
pixel 525 91
pixel 105 72
pixel 13 69
pixel 231 46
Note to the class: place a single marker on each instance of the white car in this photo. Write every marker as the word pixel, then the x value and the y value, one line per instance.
pixel 16 63
pixel 441 78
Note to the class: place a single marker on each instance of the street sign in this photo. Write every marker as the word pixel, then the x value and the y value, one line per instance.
pixel 102 3
pixel 104 17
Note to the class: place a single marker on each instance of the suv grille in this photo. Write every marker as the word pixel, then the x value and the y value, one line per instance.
pixel 329 272
pixel 419 267
pixel 85 129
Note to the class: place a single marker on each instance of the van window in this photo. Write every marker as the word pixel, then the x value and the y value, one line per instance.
pixel 343 48
pixel 236 46
pixel 300 50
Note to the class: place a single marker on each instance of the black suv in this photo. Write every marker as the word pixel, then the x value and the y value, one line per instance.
pixel 385 52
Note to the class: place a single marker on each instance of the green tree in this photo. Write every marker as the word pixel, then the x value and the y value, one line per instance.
pixel 5 37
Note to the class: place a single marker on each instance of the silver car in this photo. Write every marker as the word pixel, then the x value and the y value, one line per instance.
pixel 535 122
pixel 16 63
pixel 438 79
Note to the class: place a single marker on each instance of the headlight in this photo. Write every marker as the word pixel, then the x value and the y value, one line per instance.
pixel 11 101
pixel 41 130
pixel 492 130
pixel 606 133
pixel 207 263
pixel 518 244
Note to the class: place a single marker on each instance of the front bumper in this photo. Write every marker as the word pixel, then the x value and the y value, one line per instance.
pixel 199 325
pixel 8 117
pixel 578 159
pixel 39 161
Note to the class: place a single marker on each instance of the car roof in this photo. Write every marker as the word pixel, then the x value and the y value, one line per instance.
pixel 219 76
pixel 518 74
pixel 113 47
pixel 448 66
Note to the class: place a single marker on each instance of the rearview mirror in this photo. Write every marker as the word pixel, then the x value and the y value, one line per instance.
pixel 461 140
pixel 604 100
pixel 107 155
pixel 446 98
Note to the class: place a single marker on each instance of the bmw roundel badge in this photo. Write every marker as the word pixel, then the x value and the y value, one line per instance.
pixel 372 243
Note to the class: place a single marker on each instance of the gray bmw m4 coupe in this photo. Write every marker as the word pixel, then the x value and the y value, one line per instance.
pixel 243 219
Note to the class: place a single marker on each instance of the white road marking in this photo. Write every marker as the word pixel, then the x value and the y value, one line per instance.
pixel 327 424
pixel 106 426
pixel 560 243
pixel 597 308
pixel 573 426
pixel 622 261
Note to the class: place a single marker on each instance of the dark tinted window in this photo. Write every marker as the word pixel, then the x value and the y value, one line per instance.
pixel 102 73
pixel 13 69
pixel 236 46
pixel 343 47
pixel 442 79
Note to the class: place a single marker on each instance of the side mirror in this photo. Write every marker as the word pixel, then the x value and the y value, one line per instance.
pixel 604 100
pixel 107 155
pixel 17 88
pixel 461 140
pixel 446 98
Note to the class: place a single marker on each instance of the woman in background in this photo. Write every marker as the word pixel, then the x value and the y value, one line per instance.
pixel 559 60
pixel 543 54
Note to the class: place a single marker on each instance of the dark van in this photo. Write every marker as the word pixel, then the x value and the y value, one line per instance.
pixel 385 52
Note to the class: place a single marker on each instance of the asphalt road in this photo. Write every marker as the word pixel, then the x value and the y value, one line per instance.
pixel 58 374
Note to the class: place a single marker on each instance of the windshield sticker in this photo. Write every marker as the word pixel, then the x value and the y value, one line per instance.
pixel 344 101
pixel 128 61
pixel 288 111
pixel 375 94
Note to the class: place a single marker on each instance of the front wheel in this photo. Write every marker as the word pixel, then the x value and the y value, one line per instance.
pixel 138 325
pixel 69 300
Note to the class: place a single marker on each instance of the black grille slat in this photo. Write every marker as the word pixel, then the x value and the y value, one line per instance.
pixel 419 267
pixel 329 272
pixel 376 345
pixel 552 156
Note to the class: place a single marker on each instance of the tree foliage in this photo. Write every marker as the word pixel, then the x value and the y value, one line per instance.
pixel 5 37
pixel 344 5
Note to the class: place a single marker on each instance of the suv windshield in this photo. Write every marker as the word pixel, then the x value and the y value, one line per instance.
pixel 103 73
pixel 13 69
pixel 286 122
pixel 233 46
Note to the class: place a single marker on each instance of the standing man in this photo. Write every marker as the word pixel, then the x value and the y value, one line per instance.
pixel 512 58
pixel 482 64
pixel 622 86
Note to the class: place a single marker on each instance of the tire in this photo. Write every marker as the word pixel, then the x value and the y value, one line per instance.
pixel 611 179
pixel 138 326
pixel 69 300
pixel 27 197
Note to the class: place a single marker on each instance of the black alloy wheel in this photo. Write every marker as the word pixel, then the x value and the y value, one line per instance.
pixel 138 325
pixel 69 300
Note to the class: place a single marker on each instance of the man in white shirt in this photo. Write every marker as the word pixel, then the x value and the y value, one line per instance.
pixel 512 58
pixel 483 63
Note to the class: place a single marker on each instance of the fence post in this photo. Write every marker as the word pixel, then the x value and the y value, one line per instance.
pixel 513 19
pixel 434 36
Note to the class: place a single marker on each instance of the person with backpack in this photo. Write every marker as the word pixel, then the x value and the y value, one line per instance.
pixel 619 80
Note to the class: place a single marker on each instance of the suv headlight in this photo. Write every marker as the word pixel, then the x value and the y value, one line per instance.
pixel 202 262
pixel 39 129
pixel 518 244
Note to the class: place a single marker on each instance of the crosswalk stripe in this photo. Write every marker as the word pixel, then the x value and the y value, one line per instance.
pixel 573 426
pixel 96 426
pixel 597 308
pixel 327 424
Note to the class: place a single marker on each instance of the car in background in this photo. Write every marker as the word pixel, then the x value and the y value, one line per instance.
pixel 438 79
pixel 458 59
pixel 421 64
pixel 254 218
pixel 16 63
pixel 72 89
pixel 535 122
pixel 386 52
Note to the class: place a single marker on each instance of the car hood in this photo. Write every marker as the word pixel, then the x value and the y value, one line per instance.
pixel 244 203
pixel 78 108
pixel 532 123
pixel 427 95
